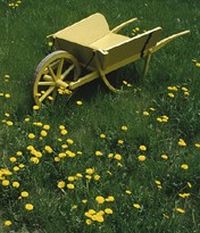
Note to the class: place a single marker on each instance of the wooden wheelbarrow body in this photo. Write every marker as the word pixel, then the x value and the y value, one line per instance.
pixel 101 50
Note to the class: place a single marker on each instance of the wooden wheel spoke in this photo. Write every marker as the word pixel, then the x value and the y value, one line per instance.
pixel 67 72
pixel 52 73
pixel 46 83
pixel 60 67
pixel 47 93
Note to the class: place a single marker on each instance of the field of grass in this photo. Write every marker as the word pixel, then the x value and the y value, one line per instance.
pixel 118 163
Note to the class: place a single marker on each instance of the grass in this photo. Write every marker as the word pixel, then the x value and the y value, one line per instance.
pixel 165 191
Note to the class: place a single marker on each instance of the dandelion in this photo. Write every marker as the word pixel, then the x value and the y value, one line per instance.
pixel 184 195
pixel 128 192
pixel 110 155
pixel 9 123
pixel 79 102
pixel 84 201
pixel 46 127
pixel 110 199
pixel 71 178
pixel 172 88
pixel 137 206
pixel 97 177
pixel 124 128
pixel 19 153
pixel 15 184
pixel 63 132
pixel 184 166
pixel 98 153
pixel 120 142
pixel 164 157
pixel 182 143
pixel 189 185
pixel 29 207
pixel 61 184
pixel 34 160
pixel 100 199
pixel 88 221
pixel 141 158
pixel 98 217
pixel 16 168
pixel 12 159
pixel 145 113
pixel 36 107
pixel 171 95
pixel 48 149
pixel 7 223
pixel 43 133
pixel 31 136
pixel 197 145
pixel 118 157
pixel 7 96
pixel 70 141
pixel 143 148
pixel 108 211
pixel 5 183
pixel 90 171
pixel 24 194
pixel 180 210
pixel 102 135
pixel 70 186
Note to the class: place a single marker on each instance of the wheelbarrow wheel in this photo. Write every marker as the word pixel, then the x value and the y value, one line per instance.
pixel 53 74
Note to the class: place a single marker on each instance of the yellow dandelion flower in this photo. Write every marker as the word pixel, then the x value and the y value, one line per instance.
pixel 16 168
pixel 7 223
pixel 46 127
pixel 90 171
pixel 5 183
pixel 100 199
pixel 79 102
pixel 19 153
pixel 145 113
pixel 102 135
pixel 164 157
pixel 197 145
pixel 29 207
pixel 15 184
pixel 120 142
pixel 56 159
pixel 184 195
pixel 36 107
pixel 189 185
pixel 171 95
pixel 84 201
pixel 108 211
pixel 63 132
pixel 24 194
pixel 70 141
pixel 61 184
pixel 31 136
pixel 124 128
pixel 143 148
pixel 88 221
pixel 186 93
pixel 98 217
pixel 184 166
pixel 118 157
pixel 180 210
pixel 70 186
pixel 141 158
pixel 128 192
pixel 110 155
pixel 7 96
pixel 48 149
pixel 97 177
pixel 137 206
pixel 34 160
pixel 12 159
pixel 184 89
pixel 182 143
pixel 157 182
pixel 110 199
pixel 9 123
pixel 98 153
pixel 172 88
pixel 43 133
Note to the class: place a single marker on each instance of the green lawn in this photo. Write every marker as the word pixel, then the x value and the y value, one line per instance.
pixel 118 163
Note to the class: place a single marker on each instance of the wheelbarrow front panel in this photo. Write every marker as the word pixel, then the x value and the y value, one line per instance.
pixel 85 31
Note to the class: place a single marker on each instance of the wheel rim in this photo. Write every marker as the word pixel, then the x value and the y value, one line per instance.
pixel 54 73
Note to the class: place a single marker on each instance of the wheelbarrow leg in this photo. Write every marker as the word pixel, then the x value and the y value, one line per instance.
pixel 146 64
pixel 103 76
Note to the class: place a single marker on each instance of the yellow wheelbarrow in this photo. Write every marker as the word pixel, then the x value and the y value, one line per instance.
pixel 91 46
